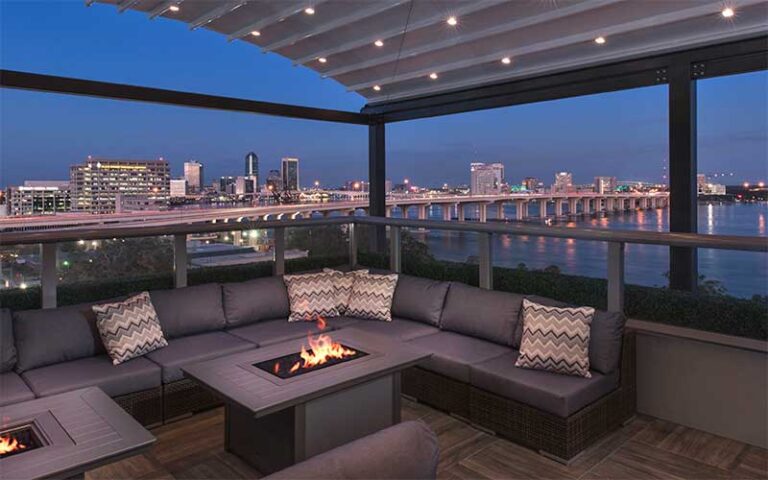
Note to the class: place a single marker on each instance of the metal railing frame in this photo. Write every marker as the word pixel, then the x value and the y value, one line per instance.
pixel 615 259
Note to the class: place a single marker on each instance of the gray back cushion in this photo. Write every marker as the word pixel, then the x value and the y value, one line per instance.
pixel 190 310
pixel 419 299
pixel 7 347
pixel 604 337
pixel 485 314
pixel 45 337
pixel 255 300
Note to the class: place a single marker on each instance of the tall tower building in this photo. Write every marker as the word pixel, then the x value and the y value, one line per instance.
pixel 252 167
pixel 605 184
pixel 289 171
pixel 193 174
pixel 563 182
pixel 485 178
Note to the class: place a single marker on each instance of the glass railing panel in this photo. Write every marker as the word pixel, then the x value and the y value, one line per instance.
pixel 20 270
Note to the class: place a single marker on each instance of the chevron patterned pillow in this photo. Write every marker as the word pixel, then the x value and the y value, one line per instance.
pixel 312 295
pixel 555 339
pixel 372 296
pixel 344 284
pixel 130 328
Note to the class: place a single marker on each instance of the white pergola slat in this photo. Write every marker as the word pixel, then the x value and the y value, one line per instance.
pixel 539 37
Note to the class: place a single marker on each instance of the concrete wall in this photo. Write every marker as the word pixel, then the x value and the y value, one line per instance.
pixel 712 387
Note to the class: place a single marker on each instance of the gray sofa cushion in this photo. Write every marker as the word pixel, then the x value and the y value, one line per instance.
pixel 453 354
pixel 13 389
pixel 605 335
pixel 274 331
pixel 7 347
pixel 408 450
pixel 419 299
pixel 398 328
pixel 561 395
pixel 190 310
pixel 195 348
pixel 46 337
pixel 132 376
pixel 255 300
pixel 485 314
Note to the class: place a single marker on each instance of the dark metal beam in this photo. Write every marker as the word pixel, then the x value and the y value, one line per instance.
pixel 727 58
pixel 683 265
pixel 116 91
pixel 377 197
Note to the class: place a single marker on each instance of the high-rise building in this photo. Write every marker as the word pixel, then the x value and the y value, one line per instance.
pixel 532 184
pixel 563 182
pixel 98 185
pixel 244 186
pixel 289 172
pixel 227 185
pixel 605 184
pixel 252 168
pixel 39 198
pixel 193 174
pixel 178 188
pixel 701 182
pixel 485 178
pixel 274 182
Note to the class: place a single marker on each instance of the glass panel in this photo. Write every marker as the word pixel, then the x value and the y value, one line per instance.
pixel 20 269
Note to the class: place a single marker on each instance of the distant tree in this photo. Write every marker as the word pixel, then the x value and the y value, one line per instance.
pixel 125 258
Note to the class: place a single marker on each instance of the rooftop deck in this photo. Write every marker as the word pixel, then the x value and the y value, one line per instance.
pixel 644 448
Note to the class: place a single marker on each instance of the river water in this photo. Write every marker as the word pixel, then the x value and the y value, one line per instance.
pixel 742 274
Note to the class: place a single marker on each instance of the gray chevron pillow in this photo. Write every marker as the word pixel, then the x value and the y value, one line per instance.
pixel 312 295
pixel 344 283
pixel 130 328
pixel 372 296
pixel 556 339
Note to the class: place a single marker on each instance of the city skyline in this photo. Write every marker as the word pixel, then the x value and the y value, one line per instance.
pixel 625 130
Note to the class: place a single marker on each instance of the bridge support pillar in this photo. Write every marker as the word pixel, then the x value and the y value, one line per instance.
pixel 543 208
pixel 460 212
pixel 558 207
pixel 573 204
pixel 446 207
pixel 482 212
pixel 500 211
pixel 608 205
pixel 586 209
pixel 422 212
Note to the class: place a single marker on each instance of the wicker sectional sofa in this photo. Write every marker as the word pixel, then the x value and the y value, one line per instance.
pixel 473 335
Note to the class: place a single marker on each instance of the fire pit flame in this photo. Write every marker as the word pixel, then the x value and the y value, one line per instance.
pixel 9 444
pixel 322 349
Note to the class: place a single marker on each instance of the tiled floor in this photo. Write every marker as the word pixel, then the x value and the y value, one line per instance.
pixel 645 448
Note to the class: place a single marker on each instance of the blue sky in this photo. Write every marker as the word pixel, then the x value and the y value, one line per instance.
pixel 622 134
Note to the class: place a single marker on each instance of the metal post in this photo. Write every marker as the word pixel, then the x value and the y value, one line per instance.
pixel 395 249
pixel 180 261
pixel 683 264
pixel 485 257
pixel 352 245
pixel 615 277
pixel 279 251
pixel 49 278
pixel 377 197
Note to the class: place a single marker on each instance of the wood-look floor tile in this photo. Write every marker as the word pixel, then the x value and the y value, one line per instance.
pixel 413 410
pixel 130 468
pixel 638 460
pixel 704 447
pixel 506 460
pixel 751 464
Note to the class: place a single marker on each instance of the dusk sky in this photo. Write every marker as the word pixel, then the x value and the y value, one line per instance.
pixel 622 134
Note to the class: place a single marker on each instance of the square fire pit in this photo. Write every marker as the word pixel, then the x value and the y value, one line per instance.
pixel 64 435
pixel 283 404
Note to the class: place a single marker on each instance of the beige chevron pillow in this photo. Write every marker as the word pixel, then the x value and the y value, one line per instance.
pixel 312 295
pixel 372 296
pixel 344 283
pixel 556 339
pixel 130 328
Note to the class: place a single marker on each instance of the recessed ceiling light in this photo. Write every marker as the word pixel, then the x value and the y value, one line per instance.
pixel 322 59
pixel 174 8
pixel 256 33
pixel 309 11
pixel 727 12
pixel 377 88
pixel 506 60
pixel 379 43
pixel 452 21
pixel 433 76
pixel 600 40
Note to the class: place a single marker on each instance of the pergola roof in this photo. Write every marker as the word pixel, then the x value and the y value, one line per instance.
pixel 395 49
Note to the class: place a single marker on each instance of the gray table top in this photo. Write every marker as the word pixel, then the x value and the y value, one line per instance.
pixel 236 379
pixel 97 432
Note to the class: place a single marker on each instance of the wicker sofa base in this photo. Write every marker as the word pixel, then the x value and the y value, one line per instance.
pixel 184 397
pixel 145 406
pixel 436 390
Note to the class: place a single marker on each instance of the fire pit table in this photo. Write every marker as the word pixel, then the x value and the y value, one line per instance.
pixel 283 404
pixel 64 435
